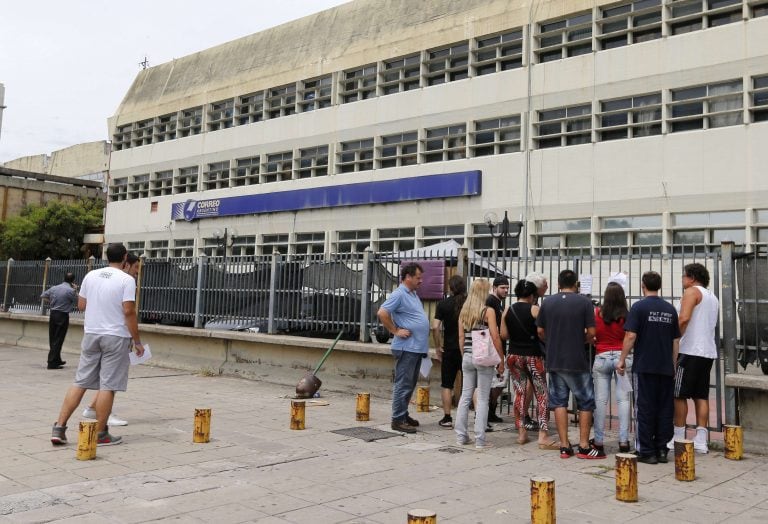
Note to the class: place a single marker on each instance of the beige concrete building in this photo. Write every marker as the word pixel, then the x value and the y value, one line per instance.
pixel 88 161
pixel 611 126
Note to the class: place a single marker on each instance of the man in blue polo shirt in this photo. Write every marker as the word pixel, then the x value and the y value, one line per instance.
pixel 403 315
pixel 652 330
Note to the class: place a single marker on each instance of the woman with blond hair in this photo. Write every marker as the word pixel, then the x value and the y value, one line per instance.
pixel 474 316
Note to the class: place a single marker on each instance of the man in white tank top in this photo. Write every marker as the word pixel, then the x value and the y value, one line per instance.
pixel 698 319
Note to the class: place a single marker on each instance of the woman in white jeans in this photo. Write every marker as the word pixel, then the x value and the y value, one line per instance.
pixel 609 338
pixel 476 316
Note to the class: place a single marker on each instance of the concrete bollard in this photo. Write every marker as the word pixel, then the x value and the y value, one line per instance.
pixel 685 465
pixel 363 407
pixel 422 516
pixel 626 477
pixel 297 414
pixel 202 430
pixel 543 509
pixel 422 399
pixel 87 439
pixel 733 439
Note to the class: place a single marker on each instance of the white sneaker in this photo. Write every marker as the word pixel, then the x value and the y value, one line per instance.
pixel 89 412
pixel 678 435
pixel 114 420
pixel 700 441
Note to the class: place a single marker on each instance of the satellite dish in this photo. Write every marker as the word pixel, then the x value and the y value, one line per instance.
pixel 491 218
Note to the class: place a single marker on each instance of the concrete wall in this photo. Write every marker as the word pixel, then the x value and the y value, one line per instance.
pixel 752 405
pixel 73 161
pixel 352 366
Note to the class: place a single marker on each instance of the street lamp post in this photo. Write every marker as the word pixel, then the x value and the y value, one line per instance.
pixel 506 231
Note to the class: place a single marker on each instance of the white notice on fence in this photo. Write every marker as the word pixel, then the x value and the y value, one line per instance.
pixel 585 282
pixel 135 359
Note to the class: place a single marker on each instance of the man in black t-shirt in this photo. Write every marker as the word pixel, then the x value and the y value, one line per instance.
pixel 652 329
pixel 495 301
pixel 447 345
pixel 566 322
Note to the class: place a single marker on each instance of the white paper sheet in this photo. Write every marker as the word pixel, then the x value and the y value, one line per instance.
pixel 426 367
pixel 623 384
pixel 585 282
pixel 135 359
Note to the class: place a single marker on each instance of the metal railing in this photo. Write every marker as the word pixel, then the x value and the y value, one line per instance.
pixel 318 295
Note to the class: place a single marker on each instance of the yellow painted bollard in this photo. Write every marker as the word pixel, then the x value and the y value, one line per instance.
pixel 202 429
pixel 543 500
pixel 87 439
pixel 422 399
pixel 297 414
pixel 685 465
pixel 422 516
pixel 363 408
pixel 733 439
pixel 626 477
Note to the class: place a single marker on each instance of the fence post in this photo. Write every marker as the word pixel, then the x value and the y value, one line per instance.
pixel 142 260
pixel 462 262
pixel 365 296
pixel 7 282
pixel 728 302
pixel 202 264
pixel 45 282
pixel 272 292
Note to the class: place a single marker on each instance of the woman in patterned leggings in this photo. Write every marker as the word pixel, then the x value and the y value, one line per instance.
pixel 526 361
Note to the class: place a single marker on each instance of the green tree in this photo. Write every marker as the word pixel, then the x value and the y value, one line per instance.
pixel 54 230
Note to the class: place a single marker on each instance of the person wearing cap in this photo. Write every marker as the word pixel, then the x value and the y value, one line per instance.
pixel 62 299
pixel 495 301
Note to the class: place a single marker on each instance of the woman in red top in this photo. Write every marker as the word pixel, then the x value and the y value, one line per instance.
pixel 609 339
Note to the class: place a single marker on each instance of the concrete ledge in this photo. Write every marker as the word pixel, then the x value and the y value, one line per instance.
pixel 752 401
pixel 353 366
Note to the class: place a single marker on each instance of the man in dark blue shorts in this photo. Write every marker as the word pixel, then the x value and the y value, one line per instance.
pixel 652 330
pixel 566 322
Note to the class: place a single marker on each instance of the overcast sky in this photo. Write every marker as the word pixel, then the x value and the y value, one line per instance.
pixel 66 65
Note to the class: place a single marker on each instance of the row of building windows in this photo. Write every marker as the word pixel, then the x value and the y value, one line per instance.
pixel 488 137
pixel 656 234
pixel 683 109
pixel 603 27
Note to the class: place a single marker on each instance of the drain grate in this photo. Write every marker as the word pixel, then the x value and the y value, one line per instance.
pixel 366 434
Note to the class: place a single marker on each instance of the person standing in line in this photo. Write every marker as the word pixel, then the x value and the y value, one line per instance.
pixel 542 285
pixel 526 361
pixel 495 301
pixel 699 310
pixel 445 334
pixel 609 341
pixel 565 323
pixel 111 329
pixel 131 266
pixel 402 314
pixel 475 315
pixel 652 330
pixel 62 300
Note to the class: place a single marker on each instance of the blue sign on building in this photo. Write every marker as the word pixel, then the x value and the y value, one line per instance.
pixel 448 185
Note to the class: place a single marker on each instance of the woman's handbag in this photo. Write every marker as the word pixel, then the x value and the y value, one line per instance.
pixel 483 351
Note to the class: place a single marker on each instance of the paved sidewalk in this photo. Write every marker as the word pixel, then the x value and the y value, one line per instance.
pixel 257 470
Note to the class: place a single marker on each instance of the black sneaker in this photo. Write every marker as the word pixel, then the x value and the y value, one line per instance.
pixel 623 447
pixel 493 417
pixel 401 426
pixel 591 453
pixel 566 452
pixel 59 435
pixel 446 422
pixel 529 424
pixel 648 459
pixel 488 428
pixel 661 456
pixel 411 421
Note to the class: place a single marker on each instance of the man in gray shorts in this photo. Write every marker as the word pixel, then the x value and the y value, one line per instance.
pixel 108 298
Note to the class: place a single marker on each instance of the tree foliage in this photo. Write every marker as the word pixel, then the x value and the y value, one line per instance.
pixel 53 230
